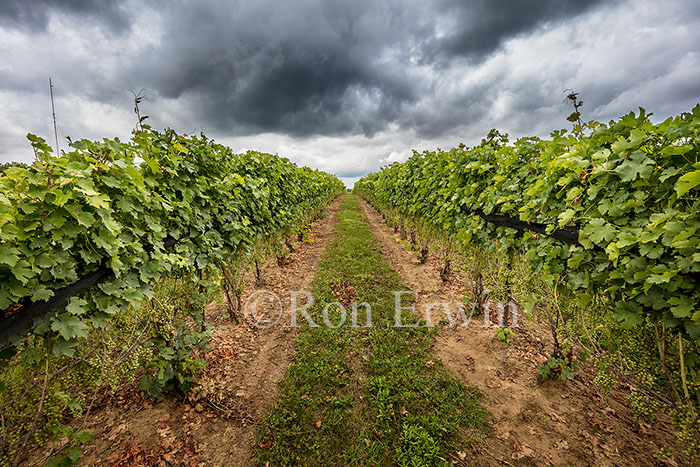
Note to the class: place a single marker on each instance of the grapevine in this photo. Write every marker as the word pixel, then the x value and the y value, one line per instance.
pixel 598 227
pixel 154 219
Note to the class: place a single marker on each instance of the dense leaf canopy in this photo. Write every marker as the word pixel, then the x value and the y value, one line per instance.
pixel 629 189
pixel 141 209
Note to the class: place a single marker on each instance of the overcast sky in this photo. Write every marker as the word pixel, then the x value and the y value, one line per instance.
pixel 347 85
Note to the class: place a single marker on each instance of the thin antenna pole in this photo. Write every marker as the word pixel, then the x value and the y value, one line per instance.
pixel 53 111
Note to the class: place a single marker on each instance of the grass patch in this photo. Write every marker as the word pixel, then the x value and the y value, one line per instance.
pixel 365 396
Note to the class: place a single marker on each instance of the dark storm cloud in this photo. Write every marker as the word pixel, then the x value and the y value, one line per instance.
pixel 308 67
pixel 480 26
pixel 294 90
pixel 284 68
pixel 405 72
pixel 34 14
pixel 321 67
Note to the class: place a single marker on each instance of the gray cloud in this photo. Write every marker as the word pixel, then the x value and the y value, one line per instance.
pixel 479 27
pixel 319 68
pixel 344 86
pixel 34 15
pixel 296 70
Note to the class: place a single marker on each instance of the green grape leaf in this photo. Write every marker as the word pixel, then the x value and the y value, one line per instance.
pixel 69 326
pixel 22 271
pixel 687 182
pixel 63 348
pixel 9 255
pixel 628 315
pixel 598 231
pixel 84 218
pixel 566 216
pixel 76 306
pixel 682 307
pixel 41 294
pixel 638 165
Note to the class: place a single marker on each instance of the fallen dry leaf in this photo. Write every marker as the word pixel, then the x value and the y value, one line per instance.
pixel 521 451
pixel 547 458
pixel 562 444
pixel 555 417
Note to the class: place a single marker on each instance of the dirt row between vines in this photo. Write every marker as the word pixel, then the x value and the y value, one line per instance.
pixel 553 423
pixel 215 425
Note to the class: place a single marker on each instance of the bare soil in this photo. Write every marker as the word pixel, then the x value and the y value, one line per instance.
pixel 216 424
pixel 552 423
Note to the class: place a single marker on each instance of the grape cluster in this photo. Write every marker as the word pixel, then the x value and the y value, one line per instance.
pixel 605 380
pixel 567 345
pixel 162 322
pixel 643 407
pixel 645 378
pixel 105 366
pixel 686 421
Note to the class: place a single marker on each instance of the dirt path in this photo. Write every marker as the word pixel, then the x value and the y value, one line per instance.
pixel 215 426
pixel 554 423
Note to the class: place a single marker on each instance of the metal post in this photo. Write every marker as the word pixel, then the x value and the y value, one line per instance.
pixel 53 111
